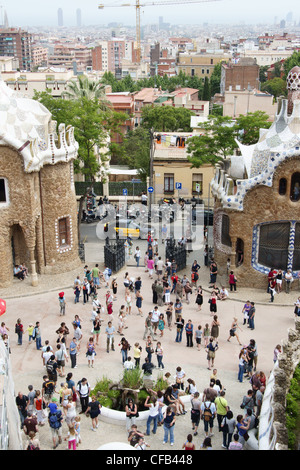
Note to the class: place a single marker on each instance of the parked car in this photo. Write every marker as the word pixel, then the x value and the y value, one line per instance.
pixel 129 228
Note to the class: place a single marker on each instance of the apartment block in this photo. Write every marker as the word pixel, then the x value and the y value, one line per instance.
pixel 198 65
pixel 17 43
pixel 240 76
pixel 39 56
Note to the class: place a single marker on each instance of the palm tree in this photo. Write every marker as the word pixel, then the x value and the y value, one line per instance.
pixel 88 89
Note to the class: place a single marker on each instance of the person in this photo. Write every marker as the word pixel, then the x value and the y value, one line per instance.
pixel 213 303
pixel 39 404
pixel 179 377
pixel 188 444
pixel 169 313
pixel 208 413
pixel 73 353
pixel 48 389
pixel 134 435
pixel 155 319
pixel 19 330
pixel 245 311
pixel 71 437
pixel 128 364
pixel 61 358
pixel 55 420
pixel 125 347
pixel 52 368
pixel 148 327
pixel 248 401
pixel 169 425
pixel 159 355
pixel 150 266
pixel 195 412
pixel 96 275
pixel 235 444
pixel 137 256
pixel 147 367
pixel 153 414
pixel 94 410
pixel 213 272
pixel 161 324
pixel 131 413
pixel 137 350
pixel 199 298
pixel 221 408
pixel 227 426
pixel 114 288
pixel 96 328
pixel 223 293
pixel 110 330
pixel 109 302
pixel 251 316
pixel 70 409
pixel 90 352
pixel 149 348
pixel 232 331
pixel 180 325
pixel 211 349
pixel 288 280
pixel 198 337
pixel 77 429
pixel 206 335
pixel 232 281
pixel 160 265
pixel 164 233
pixel 277 351
pixel 18 273
pixel 83 391
pixel 141 444
pixel 139 300
pixel 189 328
pixel 243 360
pixel 86 289
pixel 30 424
pixel 214 331
pixel 33 442
pixel 242 427
pixel 279 278
pixel 259 399
pixel 206 444
pixel 77 290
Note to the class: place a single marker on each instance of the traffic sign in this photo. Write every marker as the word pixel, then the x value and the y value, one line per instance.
pixel 178 186
pixel 150 189
pixel 125 192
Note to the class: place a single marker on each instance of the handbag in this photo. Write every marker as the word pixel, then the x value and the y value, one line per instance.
pixel 225 427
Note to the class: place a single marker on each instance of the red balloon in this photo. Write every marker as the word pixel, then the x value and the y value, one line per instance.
pixel 2 307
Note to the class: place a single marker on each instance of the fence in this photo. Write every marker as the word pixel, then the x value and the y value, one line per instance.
pixel 81 187
pixel 133 189
pixel 177 253
pixel 114 255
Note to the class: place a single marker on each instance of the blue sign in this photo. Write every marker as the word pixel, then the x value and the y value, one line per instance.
pixel 150 189
pixel 125 192
pixel 178 186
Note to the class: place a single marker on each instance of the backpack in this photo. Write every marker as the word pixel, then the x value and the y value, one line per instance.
pixel 49 367
pixel 54 420
pixel 207 413
pixel 34 333
pixel 109 272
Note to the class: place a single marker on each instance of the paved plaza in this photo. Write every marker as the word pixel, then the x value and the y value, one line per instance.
pixel 40 303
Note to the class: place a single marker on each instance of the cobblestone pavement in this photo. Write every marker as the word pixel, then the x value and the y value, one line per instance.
pixel 40 303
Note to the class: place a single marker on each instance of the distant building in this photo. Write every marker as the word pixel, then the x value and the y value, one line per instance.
pixel 60 17
pixel 17 43
pixel 198 65
pixel 78 18
pixel 243 75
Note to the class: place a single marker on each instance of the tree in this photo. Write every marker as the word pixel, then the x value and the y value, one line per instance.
pixel 249 125
pixel 83 88
pixel 215 79
pixel 292 61
pixel 206 95
pixel 166 118
pixel 217 143
pixel 276 87
pixel 136 148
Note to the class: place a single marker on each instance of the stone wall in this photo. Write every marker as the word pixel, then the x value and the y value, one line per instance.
pixel 261 204
pixel 36 201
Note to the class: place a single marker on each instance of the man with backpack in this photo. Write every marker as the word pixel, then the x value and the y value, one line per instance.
pixel 55 419
pixel 83 390
pixel 208 413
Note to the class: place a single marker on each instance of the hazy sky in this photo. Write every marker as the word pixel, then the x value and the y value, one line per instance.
pixel 39 13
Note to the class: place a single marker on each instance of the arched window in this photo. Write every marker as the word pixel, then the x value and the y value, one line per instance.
pixel 282 186
pixel 295 187
pixel 273 245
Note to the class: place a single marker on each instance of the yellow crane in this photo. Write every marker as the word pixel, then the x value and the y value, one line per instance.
pixel 138 5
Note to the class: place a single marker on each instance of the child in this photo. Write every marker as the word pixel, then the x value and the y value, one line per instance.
pixel 71 438
pixel 30 331
pixel 141 444
pixel 137 350
pixel 198 336
pixel 77 430
pixel 206 334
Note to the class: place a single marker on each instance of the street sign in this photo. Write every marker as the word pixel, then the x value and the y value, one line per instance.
pixel 178 186
pixel 125 192
pixel 150 189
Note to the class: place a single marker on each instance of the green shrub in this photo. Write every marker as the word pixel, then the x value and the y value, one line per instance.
pixel 133 378
pixel 102 386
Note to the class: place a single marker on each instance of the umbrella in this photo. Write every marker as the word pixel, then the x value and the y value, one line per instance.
pixel 2 307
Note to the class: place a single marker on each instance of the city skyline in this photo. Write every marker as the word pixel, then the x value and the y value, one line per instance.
pixel 215 12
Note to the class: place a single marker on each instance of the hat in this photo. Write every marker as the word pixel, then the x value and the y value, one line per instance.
pixel 61 294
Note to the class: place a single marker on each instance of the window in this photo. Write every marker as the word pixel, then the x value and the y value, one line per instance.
pixel 282 186
pixel 64 231
pixel 225 237
pixel 295 187
pixel 197 183
pixel 274 244
pixel 296 254
pixel 169 182
pixel 2 190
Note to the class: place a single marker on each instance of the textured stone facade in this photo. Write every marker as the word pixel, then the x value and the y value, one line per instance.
pixel 28 222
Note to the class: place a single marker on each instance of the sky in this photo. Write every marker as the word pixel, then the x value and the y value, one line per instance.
pixel 39 13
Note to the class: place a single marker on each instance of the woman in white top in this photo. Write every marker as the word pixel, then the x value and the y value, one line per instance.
pixel 137 256
pixel 70 408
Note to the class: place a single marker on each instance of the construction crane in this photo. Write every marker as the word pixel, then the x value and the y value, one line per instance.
pixel 138 5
